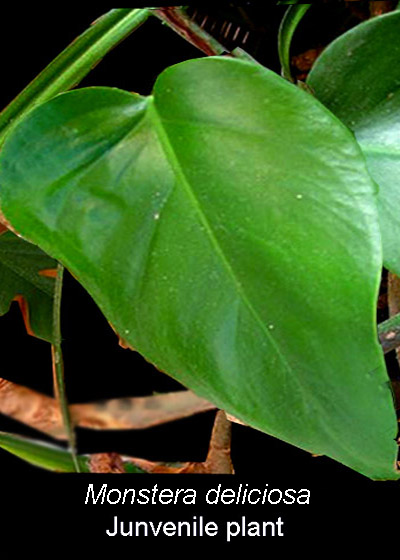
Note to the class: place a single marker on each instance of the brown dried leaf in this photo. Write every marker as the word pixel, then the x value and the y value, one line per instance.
pixel 32 408
pixel 42 413
pixel 106 463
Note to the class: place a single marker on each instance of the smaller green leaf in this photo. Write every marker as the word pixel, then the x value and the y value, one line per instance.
pixel 52 457
pixel 293 16
pixel 42 454
pixel 358 78
pixel 27 276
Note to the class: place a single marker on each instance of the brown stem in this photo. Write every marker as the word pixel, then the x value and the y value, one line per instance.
pixel 219 453
pixel 178 20
pixel 218 459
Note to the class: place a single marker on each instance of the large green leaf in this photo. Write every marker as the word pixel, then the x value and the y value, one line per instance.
pixel 358 78
pixel 227 228
pixel 26 275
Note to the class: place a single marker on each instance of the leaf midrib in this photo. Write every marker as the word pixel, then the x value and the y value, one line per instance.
pixel 177 168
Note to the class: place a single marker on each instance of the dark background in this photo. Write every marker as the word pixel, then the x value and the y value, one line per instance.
pixel 343 502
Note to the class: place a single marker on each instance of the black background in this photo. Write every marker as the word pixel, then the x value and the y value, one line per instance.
pixel 34 501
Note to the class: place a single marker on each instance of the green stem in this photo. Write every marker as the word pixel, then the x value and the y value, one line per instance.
pixel 291 19
pixel 389 333
pixel 58 367
pixel 74 63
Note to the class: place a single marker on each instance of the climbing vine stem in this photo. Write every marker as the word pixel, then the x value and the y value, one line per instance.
pixel 58 367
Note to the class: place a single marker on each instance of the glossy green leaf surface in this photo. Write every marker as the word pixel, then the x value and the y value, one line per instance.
pixel 358 78
pixel 24 275
pixel 227 227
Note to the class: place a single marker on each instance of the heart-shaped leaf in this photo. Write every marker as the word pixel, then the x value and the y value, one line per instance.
pixel 358 78
pixel 227 228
